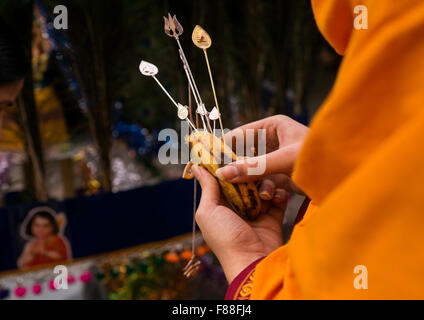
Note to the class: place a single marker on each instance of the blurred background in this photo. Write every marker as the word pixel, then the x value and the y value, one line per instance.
pixel 82 137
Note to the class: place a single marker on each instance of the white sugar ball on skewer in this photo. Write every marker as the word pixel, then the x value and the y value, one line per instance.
pixel 182 112
pixel 214 114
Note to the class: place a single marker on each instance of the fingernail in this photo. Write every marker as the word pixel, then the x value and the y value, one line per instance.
pixel 280 195
pixel 196 171
pixel 228 172
pixel 265 191
pixel 265 195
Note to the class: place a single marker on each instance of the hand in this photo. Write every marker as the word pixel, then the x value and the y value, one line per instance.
pixel 284 138
pixel 37 247
pixel 237 242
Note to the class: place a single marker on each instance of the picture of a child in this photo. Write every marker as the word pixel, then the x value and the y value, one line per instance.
pixel 46 244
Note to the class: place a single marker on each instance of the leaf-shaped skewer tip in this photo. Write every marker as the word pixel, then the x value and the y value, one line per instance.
pixel 201 38
pixel 148 69
pixel 203 41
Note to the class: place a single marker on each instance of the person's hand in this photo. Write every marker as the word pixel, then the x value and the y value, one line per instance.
pixel 237 242
pixel 284 138
pixel 37 247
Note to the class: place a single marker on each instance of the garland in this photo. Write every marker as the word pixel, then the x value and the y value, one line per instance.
pixel 148 272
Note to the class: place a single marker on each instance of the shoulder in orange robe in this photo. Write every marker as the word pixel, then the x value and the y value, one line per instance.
pixel 362 165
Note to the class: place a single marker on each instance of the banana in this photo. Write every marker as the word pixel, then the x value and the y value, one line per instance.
pixel 210 152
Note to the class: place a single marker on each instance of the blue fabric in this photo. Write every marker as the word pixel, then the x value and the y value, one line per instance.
pixel 108 221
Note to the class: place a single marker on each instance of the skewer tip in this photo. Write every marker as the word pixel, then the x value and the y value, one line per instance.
pixel 148 69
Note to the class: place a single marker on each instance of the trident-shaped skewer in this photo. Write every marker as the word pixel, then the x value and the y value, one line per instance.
pixel 203 41
pixel 192 266
pixel 150 70
pixel 174 29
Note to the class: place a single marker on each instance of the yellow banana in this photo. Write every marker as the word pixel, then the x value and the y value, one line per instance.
pixel 210 152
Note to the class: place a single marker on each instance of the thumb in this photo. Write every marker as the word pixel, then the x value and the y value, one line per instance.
pixel 252 169
pixel 210 191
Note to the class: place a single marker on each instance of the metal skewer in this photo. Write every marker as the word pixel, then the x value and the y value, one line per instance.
pixel 195 97
pixel 213 90
pixel 203 41
pixel 174 29
pixel 164 90
pixel 194 263
pixel 150 70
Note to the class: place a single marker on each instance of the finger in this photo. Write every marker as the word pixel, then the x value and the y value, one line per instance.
pixel 280 197
pixel 240 132
pixel 262 131
pixel 210 192
pixel 265 205
pixel 252 169
pixel 210 198
pixel 267 189
pixel 283 181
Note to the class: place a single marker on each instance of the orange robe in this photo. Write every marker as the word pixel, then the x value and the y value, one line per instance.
pixel 362 165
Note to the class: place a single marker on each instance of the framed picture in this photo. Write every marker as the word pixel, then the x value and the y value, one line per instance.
pixel 43 231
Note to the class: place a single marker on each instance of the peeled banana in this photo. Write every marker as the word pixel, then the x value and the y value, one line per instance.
pixel 210 152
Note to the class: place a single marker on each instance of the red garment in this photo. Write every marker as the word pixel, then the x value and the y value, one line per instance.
pixel 56 244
